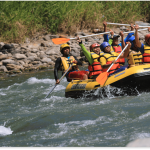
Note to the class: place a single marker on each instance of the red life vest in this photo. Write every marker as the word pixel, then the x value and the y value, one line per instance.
pixel 146 55
pixel 118 49
pixel 95 69
pixel 113 68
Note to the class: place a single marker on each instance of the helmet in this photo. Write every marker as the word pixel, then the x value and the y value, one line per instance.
pixel 63 46
pixel 103 45
pixel 131 39
pixel 147 37
pixel 93 45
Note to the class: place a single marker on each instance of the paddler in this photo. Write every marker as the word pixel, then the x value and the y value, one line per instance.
pixel 115 43
pixel 135 56
pixel 63 63
pixel 93 58
pixel 144 48
pixel 109 57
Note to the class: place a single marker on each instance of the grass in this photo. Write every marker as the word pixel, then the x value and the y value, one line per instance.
pixel 20 19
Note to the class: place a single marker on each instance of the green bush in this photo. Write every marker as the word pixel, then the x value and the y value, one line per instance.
pixel 20 19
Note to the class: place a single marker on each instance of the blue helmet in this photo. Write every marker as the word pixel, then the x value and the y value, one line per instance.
pixel 103 45
pixel 131 39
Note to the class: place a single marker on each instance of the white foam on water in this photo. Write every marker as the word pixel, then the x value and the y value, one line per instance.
pixel 34 80
pixel 144 115
pixel 139 136
pixel 5 131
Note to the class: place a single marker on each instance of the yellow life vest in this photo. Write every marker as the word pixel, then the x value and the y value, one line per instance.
pixel 65 62
pixel 110 56
pixel 134 58
pixel 96 56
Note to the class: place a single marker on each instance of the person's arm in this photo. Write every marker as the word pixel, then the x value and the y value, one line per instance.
pixel 138 43
pixel 122 39
pixel 57 66
pixel 126 52
pixel 85 52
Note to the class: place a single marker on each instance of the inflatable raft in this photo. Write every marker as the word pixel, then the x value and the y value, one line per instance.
pixel 137 77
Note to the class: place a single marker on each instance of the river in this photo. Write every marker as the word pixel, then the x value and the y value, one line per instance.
pixel 29 120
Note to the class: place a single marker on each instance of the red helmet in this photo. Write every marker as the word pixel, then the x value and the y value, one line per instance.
pixel 94 45
pixel 147 37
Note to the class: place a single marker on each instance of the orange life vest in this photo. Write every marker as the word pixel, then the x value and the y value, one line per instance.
pixel 118 49
pixel 113 68
pixel 95 69
pixel 146 55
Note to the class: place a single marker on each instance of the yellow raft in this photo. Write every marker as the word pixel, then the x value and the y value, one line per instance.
pixel 137 77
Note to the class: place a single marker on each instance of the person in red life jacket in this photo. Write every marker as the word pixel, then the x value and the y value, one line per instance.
pixel 93 58
pixel 109 57
pixel 115 43
pixel 144 48
pixel 63 63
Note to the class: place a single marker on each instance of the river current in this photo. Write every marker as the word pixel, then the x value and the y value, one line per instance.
pixel 29 120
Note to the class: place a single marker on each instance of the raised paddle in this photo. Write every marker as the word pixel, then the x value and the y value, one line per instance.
pixel 126 25
pixel 65 40
pixel 101 79
pixel 59 80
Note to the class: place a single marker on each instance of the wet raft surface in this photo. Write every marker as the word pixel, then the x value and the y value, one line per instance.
pixel 27 119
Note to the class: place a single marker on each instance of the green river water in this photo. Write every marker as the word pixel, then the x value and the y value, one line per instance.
pixel 29 120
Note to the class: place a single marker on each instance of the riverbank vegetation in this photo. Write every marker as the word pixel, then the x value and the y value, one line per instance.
pixel 20 19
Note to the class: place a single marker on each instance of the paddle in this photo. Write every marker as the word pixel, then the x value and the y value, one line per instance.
pixel 101 79
pixel 65 40
pixel 59 80
pixel 126 25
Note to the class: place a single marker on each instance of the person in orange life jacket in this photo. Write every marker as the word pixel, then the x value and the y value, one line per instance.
pixel 94 65
pixel 63 63
pixel 144 48
pixel 115 43
pixel 109 57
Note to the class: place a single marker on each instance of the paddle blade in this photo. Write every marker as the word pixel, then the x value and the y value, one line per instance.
pixel 60 40
pixel 101 79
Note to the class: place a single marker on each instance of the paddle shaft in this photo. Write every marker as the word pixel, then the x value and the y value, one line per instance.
pixel 59 80
pixel 125 24
pixel 117 57
pixel 90 35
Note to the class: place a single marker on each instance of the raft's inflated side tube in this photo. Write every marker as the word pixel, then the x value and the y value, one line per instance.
pixel 137 76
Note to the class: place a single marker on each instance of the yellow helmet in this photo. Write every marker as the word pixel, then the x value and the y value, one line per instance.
pixel 63 46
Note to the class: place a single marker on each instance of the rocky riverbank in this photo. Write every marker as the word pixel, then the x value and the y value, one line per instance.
pixel 40 52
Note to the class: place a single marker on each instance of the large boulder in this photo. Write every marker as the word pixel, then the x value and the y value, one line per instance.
pixel 19 56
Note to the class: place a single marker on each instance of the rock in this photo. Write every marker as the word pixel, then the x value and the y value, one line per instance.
pixel 140 143
pixel 9 61
pixel 46 43
pixel 34 50
pixel 34 45
pixel 1 63
pixel 47 37
pixel 36 62
pixel 14 67
pixel 53 51
pixel 20 56
pixel 31 58
pixel 3 56
pixel 75 51
pixel 3 69
pixel 31 54
pixel 46 60
pixel 8 46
